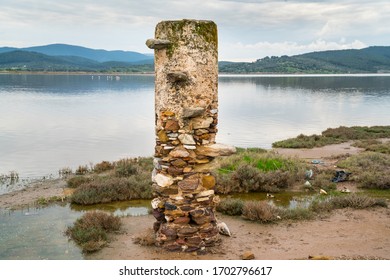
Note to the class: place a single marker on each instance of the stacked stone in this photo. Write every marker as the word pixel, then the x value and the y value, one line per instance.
pixel 186 105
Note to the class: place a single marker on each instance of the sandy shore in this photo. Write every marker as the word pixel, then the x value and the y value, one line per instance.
pixel 343 234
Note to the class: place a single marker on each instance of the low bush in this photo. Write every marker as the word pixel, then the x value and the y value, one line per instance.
pixel 369 169
pixel 90 231
pixel 260 211
pixel 323 180
pixel 335 136
pixel 374 145
pixel 256 170
pixel 357 201
pixel 82 170
pixel 231 206
pixel 133 166
pixel 75 182
pixel 103 166
pixel 104 190
pixel 357 132
pixel 130 180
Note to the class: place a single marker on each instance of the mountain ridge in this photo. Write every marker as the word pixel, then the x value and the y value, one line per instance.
pixel 374 59
pixel 62 57
pixel 98 55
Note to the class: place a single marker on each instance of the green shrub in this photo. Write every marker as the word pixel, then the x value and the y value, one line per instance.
pixel 104 190
pixel 91 230
pixel 254 170
pixel 77 181
pixel 374 145
pixel 369 169
pixel 335 136
pixel 231 206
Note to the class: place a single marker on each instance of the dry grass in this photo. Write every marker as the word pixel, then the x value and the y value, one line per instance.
pixel 260 211
pixel 103 166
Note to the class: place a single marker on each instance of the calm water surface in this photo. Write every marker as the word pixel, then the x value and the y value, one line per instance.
pixel 48 122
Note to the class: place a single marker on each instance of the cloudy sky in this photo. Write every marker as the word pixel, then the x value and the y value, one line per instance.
pixel 248 29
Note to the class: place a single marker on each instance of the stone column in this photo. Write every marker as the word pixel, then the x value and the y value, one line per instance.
pixel 186 107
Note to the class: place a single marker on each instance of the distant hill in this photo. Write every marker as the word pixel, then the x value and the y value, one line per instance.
pixel 33 61
pixel 367 60
pixel 93 54
pixel 62 57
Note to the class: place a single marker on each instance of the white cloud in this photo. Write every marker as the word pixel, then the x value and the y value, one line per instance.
pixel 124 24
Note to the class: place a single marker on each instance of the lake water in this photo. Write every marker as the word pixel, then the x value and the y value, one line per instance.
pixel 48 122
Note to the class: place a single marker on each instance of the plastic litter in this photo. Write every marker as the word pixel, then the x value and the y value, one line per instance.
pixel 341 176
pixel 308 174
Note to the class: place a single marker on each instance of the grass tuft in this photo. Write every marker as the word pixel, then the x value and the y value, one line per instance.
pixel 90 231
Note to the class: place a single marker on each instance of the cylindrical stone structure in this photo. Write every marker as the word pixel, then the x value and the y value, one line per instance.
pixel 186 107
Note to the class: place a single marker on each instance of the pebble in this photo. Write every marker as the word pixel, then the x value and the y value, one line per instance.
pixel 248 255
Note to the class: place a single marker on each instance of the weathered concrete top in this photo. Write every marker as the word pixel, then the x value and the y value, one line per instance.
pixel 186 66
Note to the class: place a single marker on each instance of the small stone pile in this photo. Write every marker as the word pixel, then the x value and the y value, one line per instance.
pixel 186 105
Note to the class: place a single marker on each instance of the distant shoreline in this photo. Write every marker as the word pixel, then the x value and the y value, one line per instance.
pixel 270 74
pixel 74 73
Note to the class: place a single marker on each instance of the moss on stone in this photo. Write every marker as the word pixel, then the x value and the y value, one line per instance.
pixel 208 30
pixel 174 31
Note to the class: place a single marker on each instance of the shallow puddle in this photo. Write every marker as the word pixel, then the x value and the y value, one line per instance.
pixel 285 199
pixel 38 233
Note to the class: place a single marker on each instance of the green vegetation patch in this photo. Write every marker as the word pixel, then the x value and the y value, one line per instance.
pixel 231 206
pixel 264 211
pixel 356 201
pixel 369 169
pixel 91 231
pixel 335 136
pixel 374 145
pixel 251 170
pixel 128 179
